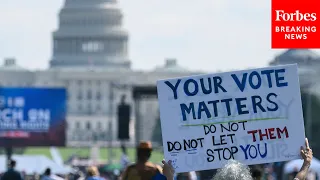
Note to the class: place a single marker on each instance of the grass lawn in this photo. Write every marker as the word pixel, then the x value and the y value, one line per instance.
pixel 67 152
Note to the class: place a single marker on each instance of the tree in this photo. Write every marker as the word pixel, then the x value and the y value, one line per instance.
pixel 312 100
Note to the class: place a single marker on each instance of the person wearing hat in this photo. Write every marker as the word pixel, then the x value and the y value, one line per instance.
pixel 142 169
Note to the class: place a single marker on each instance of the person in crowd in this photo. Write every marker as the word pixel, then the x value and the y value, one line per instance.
pixel 311 175
pixel 234 170
pixel 186 176
pixel 47 175
pixel 257 173
pixel 142 169
pixel 36 176
pixel 124 158
pixel 23 174
pixel 278 167
pixel 206 174
pixel 294 173
pixel 269 172
pixel 93 174
pixel 12 174
pixel 79 176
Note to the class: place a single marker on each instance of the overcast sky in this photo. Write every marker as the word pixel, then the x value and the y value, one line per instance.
pixel 207 35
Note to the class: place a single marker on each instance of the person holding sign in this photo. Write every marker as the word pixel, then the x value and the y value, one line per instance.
pixel 143 169
pixel 257 173
pixel 234 170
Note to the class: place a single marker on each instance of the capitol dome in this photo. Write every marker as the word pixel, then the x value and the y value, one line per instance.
pixel 303 57
pixel 90 34
pixel 307 60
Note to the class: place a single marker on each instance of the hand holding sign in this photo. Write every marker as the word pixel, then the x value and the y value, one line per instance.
pixel 168 169
pixel 306 153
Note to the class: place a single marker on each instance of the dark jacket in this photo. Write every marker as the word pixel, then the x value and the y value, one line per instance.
pixel 11 174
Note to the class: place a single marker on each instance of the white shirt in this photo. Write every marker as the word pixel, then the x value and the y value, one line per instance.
pixel 124 161
pixel 193 175
pixel 311 176
pixel 55 177
pixel 52 177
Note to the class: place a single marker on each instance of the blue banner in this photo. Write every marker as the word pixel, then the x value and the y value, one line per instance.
pixel 32 109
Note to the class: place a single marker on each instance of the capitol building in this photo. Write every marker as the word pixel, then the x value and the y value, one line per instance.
pixel 90 59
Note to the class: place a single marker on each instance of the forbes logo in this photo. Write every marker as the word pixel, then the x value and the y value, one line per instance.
pixel 281 15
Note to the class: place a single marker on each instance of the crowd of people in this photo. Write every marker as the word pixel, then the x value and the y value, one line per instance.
pixel 234 170
pixel 143 169
pixel 13 174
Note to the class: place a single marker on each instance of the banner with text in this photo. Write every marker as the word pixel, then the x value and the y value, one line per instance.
pixel 32 116
pixel 252 116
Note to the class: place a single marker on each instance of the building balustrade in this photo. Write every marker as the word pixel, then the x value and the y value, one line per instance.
pixel 87 135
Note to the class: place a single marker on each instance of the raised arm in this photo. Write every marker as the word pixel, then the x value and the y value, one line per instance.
pixel 306 154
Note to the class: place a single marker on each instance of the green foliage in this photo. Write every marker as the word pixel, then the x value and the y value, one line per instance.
pixel 311 100
pixel 85 152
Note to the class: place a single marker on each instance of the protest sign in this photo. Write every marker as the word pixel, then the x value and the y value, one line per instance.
pixel 252 116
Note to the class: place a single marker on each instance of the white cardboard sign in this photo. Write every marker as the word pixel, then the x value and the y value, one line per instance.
pixel 252 116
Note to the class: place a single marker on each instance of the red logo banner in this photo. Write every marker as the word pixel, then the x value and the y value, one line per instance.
pixel 295 24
